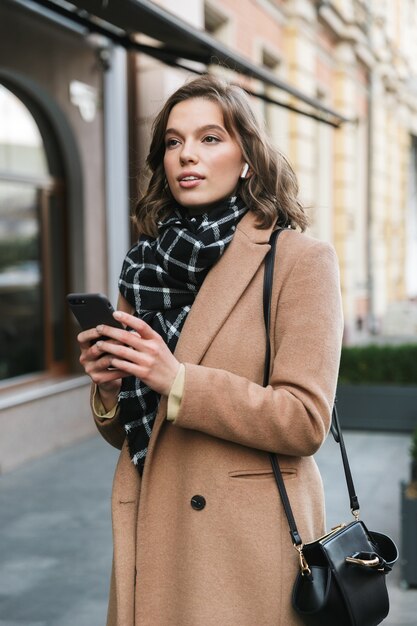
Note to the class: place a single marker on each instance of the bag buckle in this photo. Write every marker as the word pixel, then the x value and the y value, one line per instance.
pixel 366 559
pixel 355 513
pixel 305 570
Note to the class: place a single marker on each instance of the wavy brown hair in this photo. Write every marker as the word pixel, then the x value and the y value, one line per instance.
pixel 271 192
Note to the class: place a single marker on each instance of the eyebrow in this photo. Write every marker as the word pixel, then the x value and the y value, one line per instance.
pixel 174 131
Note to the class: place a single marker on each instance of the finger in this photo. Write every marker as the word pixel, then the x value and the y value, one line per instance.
pixel 131 369
pixel 131 362
pixel 133 342
pixel 90 354
pixel 108 376
pixel 95 352
pixel 115 334
pixel 98 368
pixel 137 324
pixel 122 351
pixel 86 337
pixel 95 358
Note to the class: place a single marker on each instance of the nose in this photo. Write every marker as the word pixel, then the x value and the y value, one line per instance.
pixel 188 153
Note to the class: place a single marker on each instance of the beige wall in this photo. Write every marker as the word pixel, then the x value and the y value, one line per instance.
pixel 53 417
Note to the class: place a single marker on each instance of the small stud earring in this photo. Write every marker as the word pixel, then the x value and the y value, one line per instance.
pixel 244 171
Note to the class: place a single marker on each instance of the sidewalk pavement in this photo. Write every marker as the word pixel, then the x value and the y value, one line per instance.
pixel 55 533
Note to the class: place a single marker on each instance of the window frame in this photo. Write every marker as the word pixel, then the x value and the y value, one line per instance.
pixel 46 188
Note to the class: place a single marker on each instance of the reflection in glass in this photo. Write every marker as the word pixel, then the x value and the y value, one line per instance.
pixel 21 325
pixel 21 146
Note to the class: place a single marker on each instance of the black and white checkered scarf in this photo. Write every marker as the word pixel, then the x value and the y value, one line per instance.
pixel 160 278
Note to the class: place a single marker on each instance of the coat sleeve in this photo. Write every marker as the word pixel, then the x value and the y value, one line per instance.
pixel 110 429
pixel 292 414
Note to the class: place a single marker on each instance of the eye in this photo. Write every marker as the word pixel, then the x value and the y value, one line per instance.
pixel 171 143
pixel 211 139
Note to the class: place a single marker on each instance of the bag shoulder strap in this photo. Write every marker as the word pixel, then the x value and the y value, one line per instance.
pixel 267 294
pixel 335 425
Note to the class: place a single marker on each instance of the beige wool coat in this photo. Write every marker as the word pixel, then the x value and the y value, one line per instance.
pixel 231 562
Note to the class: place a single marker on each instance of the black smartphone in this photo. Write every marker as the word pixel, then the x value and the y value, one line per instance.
pixel 92 309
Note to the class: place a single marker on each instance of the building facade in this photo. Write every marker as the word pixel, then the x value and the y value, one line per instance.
pixel 357 181
pixel 76 104
pixel 57 219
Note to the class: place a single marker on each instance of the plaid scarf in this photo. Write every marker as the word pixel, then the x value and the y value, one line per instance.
pixel 160 278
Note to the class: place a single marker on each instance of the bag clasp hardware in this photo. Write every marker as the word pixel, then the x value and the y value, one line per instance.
pixel 305 570
pixel 366 559
pixel 355 513
pixel 332 531
pixel 366 563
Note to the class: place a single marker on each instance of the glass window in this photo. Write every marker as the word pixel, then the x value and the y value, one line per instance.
pixel 21 325
pixel 32 241
pixel 21 145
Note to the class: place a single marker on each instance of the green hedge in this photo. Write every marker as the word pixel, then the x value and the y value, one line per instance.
pixel 413 449
pixel 379 364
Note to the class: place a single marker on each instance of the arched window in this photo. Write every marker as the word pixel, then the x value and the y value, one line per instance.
pixel 32 248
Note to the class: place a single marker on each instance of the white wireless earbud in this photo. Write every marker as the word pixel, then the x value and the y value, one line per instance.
pixel 244 171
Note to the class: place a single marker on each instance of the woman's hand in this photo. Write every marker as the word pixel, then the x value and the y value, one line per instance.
pixel 96 364
pixel 139 352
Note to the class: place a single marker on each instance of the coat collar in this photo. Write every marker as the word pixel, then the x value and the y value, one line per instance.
pixel 222 288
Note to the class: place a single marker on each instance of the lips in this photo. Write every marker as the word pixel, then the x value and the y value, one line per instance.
pixel 189 180
pixel 188 176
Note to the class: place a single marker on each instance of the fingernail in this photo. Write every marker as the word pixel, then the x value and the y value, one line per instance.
pixel 99 344
pixel 99 329
pixel 118 315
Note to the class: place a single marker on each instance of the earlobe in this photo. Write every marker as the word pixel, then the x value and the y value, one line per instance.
pixel 244 171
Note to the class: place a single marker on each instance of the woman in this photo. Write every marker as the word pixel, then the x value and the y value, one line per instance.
pixel 200 537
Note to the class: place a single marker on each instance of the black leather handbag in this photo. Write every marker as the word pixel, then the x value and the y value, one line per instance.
pixel 341 581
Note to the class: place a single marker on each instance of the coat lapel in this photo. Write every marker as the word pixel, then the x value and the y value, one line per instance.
pixel 222 288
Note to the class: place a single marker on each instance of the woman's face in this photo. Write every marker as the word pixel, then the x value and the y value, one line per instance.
pixel 202 160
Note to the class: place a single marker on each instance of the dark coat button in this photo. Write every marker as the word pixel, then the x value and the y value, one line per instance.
pixel 198 502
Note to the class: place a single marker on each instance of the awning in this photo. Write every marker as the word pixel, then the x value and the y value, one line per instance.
pixel 120 20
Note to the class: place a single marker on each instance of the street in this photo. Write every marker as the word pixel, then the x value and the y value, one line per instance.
pixel 55 540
